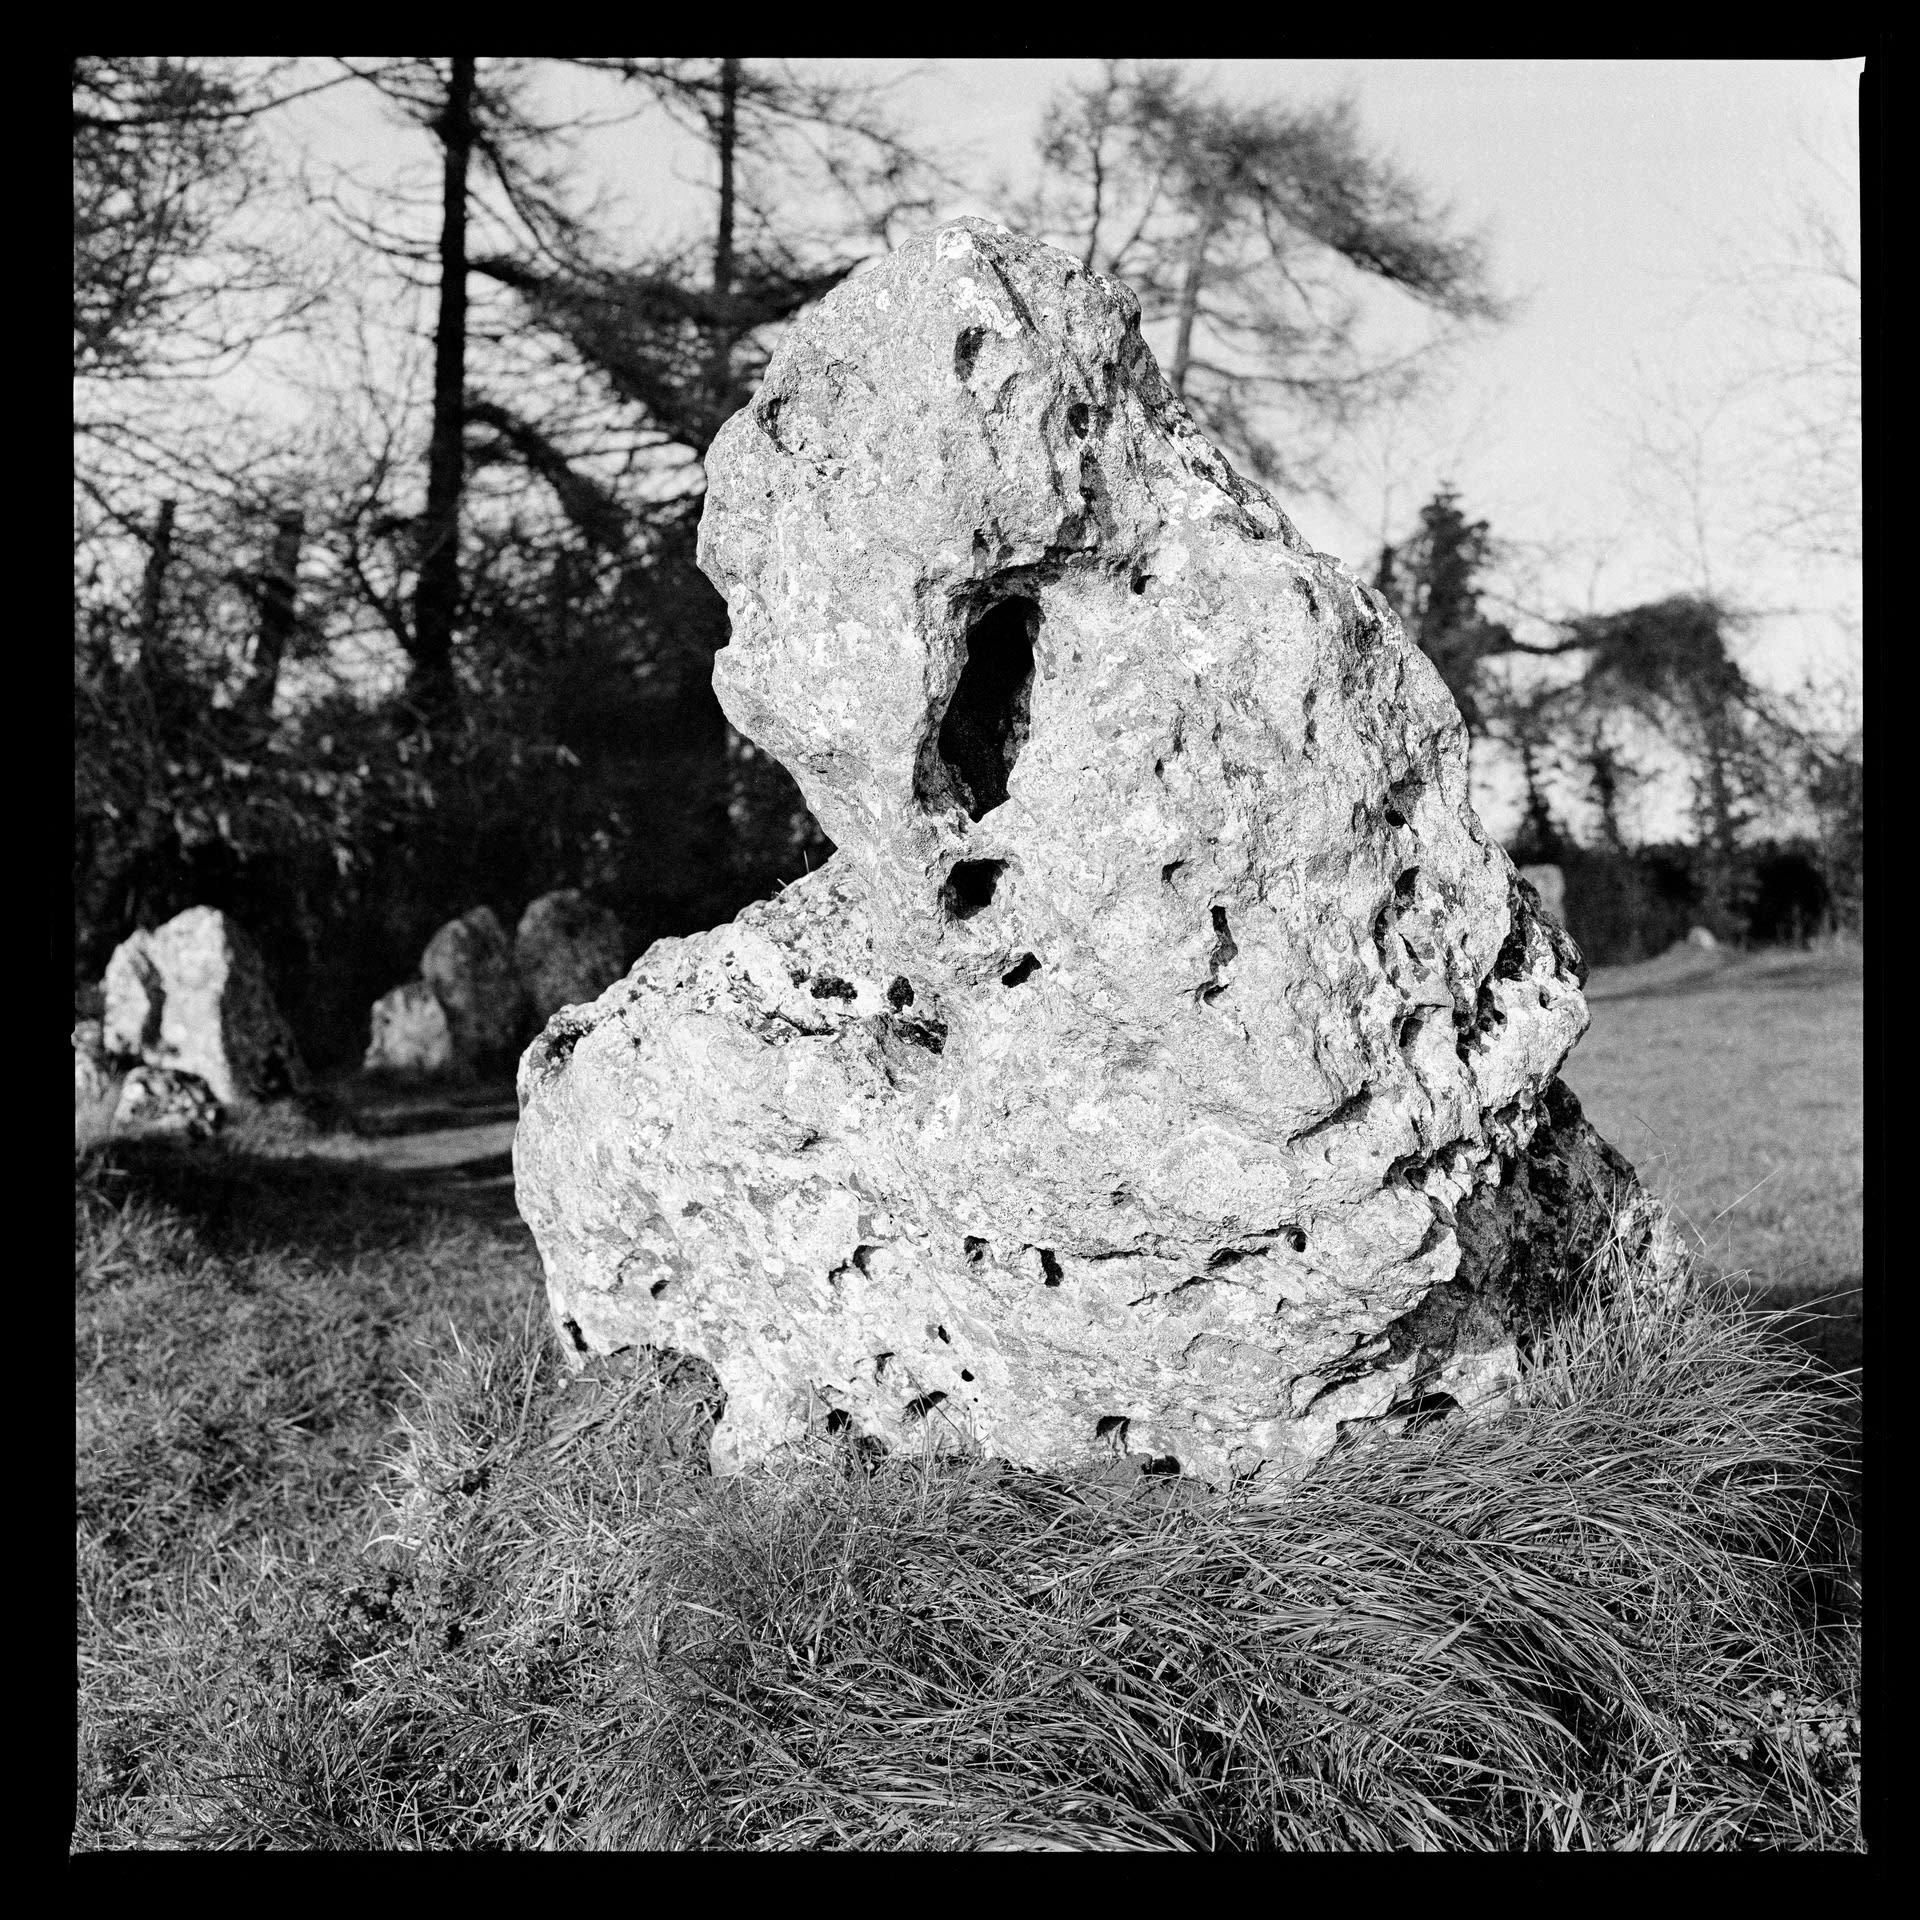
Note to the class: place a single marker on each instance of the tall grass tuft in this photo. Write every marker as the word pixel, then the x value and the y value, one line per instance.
pixel 1619 1618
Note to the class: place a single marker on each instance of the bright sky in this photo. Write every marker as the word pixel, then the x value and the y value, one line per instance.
pixel 1609 192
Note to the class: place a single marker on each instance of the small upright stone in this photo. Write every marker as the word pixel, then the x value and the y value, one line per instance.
pixel 410 1033
pixel 469 967
pixel 567 951
pixel 193 996
pixel 163 1100
pixel 1550 883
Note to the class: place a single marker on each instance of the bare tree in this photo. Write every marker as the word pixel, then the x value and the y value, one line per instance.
pixel 1254 237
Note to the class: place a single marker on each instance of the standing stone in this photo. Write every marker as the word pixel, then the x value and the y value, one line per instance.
pixel 1550 883
pixel 410 1034
pixel 193 996
pixel 469 967
pixel 1165 1064
pixel 567 950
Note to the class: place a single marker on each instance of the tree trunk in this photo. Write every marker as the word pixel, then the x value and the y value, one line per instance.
pixel 278 598
pixel 437 596
pixel 152 585
pixel 1190 304
pixel 720 348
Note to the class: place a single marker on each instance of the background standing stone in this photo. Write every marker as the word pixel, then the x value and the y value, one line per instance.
pixel 469 967
pixel 567 950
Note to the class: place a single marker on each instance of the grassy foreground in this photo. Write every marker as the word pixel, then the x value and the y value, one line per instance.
pixel 363 1566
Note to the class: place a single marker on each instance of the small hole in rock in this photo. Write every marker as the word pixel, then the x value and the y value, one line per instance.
pixel 940 1333
pixel 1162 1463
pixel 975 1248
pixel 571 1328
pixel 1111 1426
pixel 1395 818
pixel 1169 870
pixel 1409 1031
pixel 1546 999
pixel 966 350
pixel 1159 769
pixel 900 994
pixel 970 887
pixel 964 1374
pixel 1404 886
pixel 1139 582
pixel 880 1365
pixel 1078 418
pixel 1022 969
pixel 1049 1268
pixel 839 1420
pixel 921 1405
pixel 1296 1240
pixel 658 1288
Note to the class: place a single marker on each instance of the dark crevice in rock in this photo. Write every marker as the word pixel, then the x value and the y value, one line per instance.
pixel 970 887
pixel 1112 1426
pixel 571 1328
pixel 1049 1267
pixel 921 1405
pixel 900 994
pixel 1021 971
pixel 829 986
pixel 1352 1109
pixel 986 721
pixel 1225 950
pixel 930 1034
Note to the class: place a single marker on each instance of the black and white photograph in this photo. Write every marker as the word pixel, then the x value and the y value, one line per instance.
pixel 969 954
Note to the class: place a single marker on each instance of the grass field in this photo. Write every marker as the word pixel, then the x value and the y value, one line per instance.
pixel 1735 1085
pixel 362 1565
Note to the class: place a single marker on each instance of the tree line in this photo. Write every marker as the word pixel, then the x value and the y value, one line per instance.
pixel 440 639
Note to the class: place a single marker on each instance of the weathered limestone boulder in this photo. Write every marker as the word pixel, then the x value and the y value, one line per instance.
pixel 166 1100
pixel 410 1034
pixel 468 965
pixel 567 950
pixel 193 996
pixel 1165 1063
pixel 1550 883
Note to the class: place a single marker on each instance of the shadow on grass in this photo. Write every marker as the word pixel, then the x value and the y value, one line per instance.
pixel 242 1204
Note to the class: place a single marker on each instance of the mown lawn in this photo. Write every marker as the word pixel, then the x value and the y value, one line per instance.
pixel 1735 1086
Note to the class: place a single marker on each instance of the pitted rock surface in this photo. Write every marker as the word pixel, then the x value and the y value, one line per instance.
pixel 192 996
pixel 1166 1061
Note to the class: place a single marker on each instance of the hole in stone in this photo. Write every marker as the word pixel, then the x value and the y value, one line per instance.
pixel 830 987
pixel 571 1328
pixel 939 1333
pixel 975 1248
pixel 1404 886
pixel 1169 870
pixel 1546 999
pixel 1296 1240
pixel 986 721
pixel 880 1364
pixel 1159 769
pixel 921 1405
pixel 1022 969
pixel 970 887
pixel 1162 1463
pixel 862 1255
pixel 658 1288
pixel 1078 418
pixel 839 1420
pixel 900 994
pixel 1409 1031
pixel 964 1374
pixel 1395 818
pixel 1112 1426
pixel 966 350
pixel 1139 582
pixel 1049 1267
